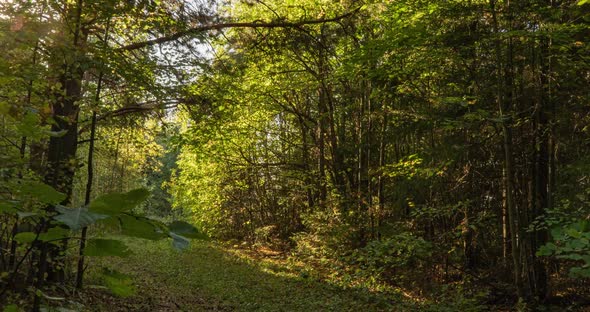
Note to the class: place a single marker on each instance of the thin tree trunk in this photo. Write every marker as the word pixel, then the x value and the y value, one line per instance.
pixel 503 83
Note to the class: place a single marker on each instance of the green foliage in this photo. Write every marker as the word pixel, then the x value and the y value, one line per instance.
pixel 116 203
pixel 140 227
pixel 25 237
pixel 7 207
pixel 54 235
pixel 11 308
pixel 183 228
pixel 571 242
pixel 364 143
pixel 451 299
pixel 390 258
pixel 115 207
pixel 40 192
pixel 410 167
pixel 77 218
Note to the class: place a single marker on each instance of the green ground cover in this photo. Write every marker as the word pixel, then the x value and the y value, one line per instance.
pixel 209 277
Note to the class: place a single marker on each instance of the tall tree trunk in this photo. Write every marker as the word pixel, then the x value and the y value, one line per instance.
pixel 61 161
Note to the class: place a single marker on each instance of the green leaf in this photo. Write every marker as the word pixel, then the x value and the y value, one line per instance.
pixel 41 192
pixel 77 218
pixel 11 308
pixel 179 242
pixel 139 227
pixel 99 247
pixel 116 203
pixel 25 237
pixel 573 233
pixel 54 234
pixel 183 228
pixel 557 233
pixel 582 2
pixel 120 284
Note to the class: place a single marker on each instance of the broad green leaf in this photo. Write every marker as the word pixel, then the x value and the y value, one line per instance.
pixel 120 284
pixel 54 234
pixel 99 247
pixel 579 244
pixel 25 237
pixel 41 192
pixel 557 233
pixel 546 250
pixel 110 224
pixel 179 242
pixel 77 218
pixel 139 227
pixel 116 203
pixel 582 2
pixel 183 228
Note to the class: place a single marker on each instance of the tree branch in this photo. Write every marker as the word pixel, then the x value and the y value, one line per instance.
pixel 203 28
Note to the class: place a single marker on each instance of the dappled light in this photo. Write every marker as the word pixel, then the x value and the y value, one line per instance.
pixel 294 155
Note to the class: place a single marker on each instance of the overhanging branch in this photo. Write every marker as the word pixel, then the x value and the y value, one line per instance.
pixel 203 28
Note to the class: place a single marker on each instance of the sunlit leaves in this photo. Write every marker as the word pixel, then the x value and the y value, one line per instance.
pixel 25 237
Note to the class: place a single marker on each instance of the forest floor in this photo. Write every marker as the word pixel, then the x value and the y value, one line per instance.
pixel 213 277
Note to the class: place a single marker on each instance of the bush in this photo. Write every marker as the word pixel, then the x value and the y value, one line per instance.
pixel 386 259
pixel 571 242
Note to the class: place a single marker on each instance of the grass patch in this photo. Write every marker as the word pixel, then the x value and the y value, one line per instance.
pixel 208 277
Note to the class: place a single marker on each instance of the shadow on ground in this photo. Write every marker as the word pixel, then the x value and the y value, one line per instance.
pixel 208 278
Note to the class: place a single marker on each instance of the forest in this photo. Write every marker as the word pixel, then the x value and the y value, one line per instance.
pixel 294 155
